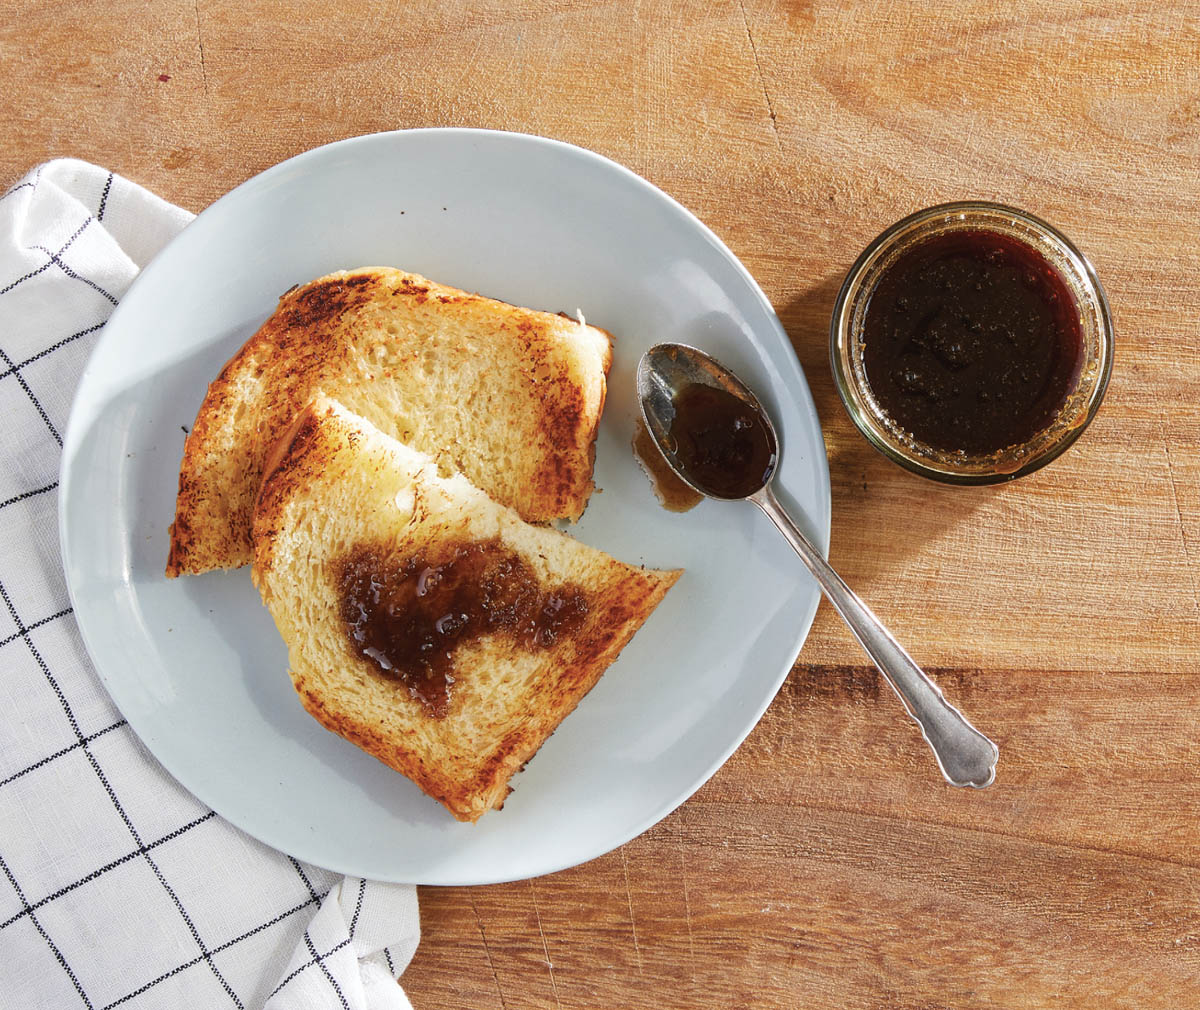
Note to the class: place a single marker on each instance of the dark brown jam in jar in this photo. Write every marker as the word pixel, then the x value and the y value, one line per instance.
pixel 409 619
pixel 971 341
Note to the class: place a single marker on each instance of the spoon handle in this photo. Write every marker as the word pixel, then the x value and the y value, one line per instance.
pixel 966 757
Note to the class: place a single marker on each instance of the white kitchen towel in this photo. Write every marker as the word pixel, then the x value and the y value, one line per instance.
pixel 117 887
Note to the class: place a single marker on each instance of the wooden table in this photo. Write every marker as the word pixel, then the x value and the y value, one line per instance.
pixel 825 865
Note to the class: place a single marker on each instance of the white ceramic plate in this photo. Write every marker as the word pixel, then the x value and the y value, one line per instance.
pixel 196 664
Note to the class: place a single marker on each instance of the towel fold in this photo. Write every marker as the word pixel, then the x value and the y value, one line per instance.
pixel 117 887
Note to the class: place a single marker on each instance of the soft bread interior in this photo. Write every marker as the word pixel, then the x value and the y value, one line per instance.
pixel 336 483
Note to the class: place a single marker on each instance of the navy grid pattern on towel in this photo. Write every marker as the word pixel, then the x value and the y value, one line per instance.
pixel 117 887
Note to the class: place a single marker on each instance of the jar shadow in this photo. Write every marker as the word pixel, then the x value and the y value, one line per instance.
pixel 881 512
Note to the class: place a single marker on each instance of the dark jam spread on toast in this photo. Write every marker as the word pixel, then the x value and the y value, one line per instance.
pixel 408 619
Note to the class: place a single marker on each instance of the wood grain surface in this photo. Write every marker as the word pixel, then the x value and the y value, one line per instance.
pixel 824 865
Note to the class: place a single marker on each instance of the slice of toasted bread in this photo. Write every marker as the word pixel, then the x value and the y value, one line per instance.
pixel 510 397
pixel 424 622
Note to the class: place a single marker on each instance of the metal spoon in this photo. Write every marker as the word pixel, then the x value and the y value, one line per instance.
pixel 965 756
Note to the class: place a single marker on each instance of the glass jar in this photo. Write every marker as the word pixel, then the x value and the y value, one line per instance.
pixel 1015 229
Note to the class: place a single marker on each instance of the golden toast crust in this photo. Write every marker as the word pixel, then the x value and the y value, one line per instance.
pixel 511 397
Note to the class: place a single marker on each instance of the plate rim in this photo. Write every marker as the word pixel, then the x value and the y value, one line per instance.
pixel 820 525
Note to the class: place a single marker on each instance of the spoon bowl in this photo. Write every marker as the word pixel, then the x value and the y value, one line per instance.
pixel 708 424
pixel 665 370
pixel 715 435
